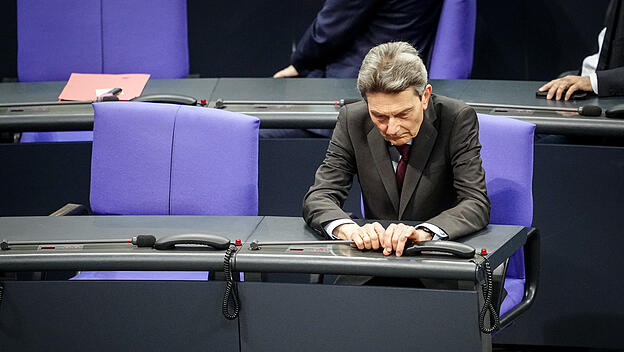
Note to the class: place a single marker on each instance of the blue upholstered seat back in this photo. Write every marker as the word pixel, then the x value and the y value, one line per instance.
pixel 164 159
pixel 59 37
pixel 507 154
pixel 454 43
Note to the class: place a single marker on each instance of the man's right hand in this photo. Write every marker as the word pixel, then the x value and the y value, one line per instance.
pixel 567 84
pixel 365 237
pixel 289 71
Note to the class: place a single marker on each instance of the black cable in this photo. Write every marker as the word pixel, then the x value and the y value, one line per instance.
pixel 230 297
pixel 488 307
pixel 1 292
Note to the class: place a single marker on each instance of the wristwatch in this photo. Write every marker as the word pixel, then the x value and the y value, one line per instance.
pixel 427 230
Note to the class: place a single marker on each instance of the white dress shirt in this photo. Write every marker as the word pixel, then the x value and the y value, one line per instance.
pixel 591 62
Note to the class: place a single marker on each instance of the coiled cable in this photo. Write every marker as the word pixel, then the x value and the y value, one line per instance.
pixel 488 307
pixel 230 297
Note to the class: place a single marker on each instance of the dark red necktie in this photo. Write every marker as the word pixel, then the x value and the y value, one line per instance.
pixel 402 167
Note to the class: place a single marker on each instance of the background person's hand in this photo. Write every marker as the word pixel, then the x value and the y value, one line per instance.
pixel 289 71
pixel 556 87
pixel 396 235
pixel 365 237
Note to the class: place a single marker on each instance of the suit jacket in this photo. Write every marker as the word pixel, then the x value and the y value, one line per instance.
pixel 344 31
pixel 444 183
pixel 610 69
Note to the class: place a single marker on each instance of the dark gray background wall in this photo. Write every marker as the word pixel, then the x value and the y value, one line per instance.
pixel 525 40
pixel 533 39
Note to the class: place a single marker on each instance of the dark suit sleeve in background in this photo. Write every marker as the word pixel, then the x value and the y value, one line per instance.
pixel 335 25
pixel 610 69
pixel 611 82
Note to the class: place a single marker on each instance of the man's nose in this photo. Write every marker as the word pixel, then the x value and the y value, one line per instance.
pixel 393 126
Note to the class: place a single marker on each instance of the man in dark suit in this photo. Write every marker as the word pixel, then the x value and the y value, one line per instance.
pixel 344 31
pixel 602 73
pixel 417 157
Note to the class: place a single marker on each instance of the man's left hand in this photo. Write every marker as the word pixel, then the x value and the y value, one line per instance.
pixel 396 235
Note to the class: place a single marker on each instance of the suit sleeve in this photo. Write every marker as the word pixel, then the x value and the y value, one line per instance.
pixel 335 25
pixel 610 82
pixel 472 211
pixel 332 181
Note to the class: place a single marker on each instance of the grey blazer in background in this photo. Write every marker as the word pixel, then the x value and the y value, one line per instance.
pixel 444 182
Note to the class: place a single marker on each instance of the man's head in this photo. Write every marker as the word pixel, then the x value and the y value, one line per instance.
pixel 393 81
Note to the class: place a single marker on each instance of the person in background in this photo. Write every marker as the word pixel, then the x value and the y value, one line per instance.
pixel 344 31
pixel 603 72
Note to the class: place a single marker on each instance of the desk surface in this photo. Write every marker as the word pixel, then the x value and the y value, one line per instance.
pixel 273 316
pixel 507 93
pixel 500 241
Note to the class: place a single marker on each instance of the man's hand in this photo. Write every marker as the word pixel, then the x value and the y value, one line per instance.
pixel 289 71
pixel 571 83
pixel 365 237
pixel 396 235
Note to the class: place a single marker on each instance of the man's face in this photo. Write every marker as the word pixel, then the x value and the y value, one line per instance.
pixel 398 116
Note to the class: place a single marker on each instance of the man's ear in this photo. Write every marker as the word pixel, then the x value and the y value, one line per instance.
pixel 426 95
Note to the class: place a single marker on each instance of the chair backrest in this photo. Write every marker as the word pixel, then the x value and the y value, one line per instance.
pixel 507 154
pixel 58 37
pixel 454 43
pixel 164 159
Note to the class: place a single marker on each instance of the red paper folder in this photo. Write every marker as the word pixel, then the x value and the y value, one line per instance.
pixel 83 86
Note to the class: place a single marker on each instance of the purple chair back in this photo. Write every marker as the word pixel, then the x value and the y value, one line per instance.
pixel 454 42
pixel 58 37
pixel 507 154
pixel 145 36
pixel 163 159
pixel 48 137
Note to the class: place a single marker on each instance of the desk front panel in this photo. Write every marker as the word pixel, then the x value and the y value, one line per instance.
pixel 115 316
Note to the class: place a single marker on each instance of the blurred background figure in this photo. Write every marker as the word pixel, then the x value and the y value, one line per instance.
pixel 603 72
pixel 344 31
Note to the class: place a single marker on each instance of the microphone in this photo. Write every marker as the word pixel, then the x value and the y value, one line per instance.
pixel 589 110
pixel 139 241
pixel 343 102
pixel 143 240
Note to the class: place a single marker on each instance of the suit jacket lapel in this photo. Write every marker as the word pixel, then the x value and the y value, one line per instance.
pixel 420 151
pixel 381 158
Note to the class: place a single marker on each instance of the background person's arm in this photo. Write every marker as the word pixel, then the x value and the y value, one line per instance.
pixel 611 82
pixel 334 27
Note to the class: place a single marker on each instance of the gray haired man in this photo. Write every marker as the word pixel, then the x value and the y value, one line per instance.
pixel 417 157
